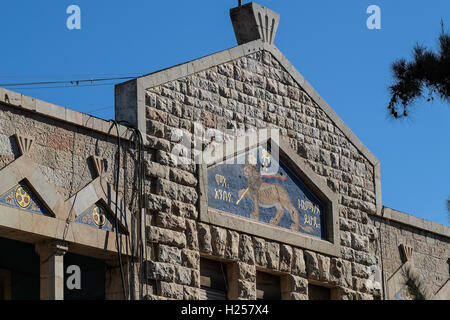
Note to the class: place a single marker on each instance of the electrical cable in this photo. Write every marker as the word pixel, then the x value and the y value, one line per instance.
pixel 119 253
pixel 139 202
pixel 381 254
pixel 63 87
pixel 76 82
pixel 80 75
pixel 138 246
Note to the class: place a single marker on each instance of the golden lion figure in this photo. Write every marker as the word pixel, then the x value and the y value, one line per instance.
pixel 267 195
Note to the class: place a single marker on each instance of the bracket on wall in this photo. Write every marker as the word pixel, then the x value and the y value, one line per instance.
pixel 407 252
pixel 99 164
pixel 25 143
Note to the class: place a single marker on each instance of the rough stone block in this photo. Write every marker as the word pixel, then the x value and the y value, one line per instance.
pixel 296 284
pixel 232 249
pixel 246 290
pixel 191 235
pixel 204 237
pixel 171 290
pixel 164 236
pixel 169 254
pixel 195 278
pixel 298 263
pixel 360 271
pixel 158 203
pixel 246 252
pixel 286 258
pixel 312 265
pixel 324 267
pixel 246 272
pixel 259 246
pixel 170 221
pixel 273 255
pixel 191 293
pixel 160 271
pixel 190 259
pixel 183 275
pixel 219 241
pixel 185 210
pixel 183 177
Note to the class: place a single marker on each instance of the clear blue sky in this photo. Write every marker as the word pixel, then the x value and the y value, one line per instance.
pixel 326 40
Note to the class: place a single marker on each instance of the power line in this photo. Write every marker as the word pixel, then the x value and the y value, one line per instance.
pixel 99 109
pixel 73 82
pixel 59 87
pixel 133 74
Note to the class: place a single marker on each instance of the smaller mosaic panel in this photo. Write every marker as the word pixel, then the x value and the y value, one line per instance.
pixel 23 198
pixel 97 216
pixel 403 294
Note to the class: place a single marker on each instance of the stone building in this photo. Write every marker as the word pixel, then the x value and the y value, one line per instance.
pixel 223 177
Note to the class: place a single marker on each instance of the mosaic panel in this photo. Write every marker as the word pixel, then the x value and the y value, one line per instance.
pixel 23 198
pixel 258 186
pixel 97 216
pixel 403 294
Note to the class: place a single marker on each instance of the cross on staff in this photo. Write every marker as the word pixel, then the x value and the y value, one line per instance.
pixel 242 196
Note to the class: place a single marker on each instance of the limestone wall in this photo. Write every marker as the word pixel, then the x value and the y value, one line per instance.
pixel 253 92
pixel 62 152
pixel 430 251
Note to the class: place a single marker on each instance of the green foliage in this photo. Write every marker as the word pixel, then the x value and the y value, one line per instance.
pixel 448 208
pixel 428 70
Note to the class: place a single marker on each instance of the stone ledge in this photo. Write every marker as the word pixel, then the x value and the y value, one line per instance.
pixel 415 222
pixel 15 99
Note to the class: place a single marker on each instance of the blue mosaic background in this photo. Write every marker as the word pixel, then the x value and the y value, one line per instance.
pixel 87 218
pixel 23 198
pixel 236 181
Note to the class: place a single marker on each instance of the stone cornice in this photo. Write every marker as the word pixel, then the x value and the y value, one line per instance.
pixel 46 109
pixel 409 220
